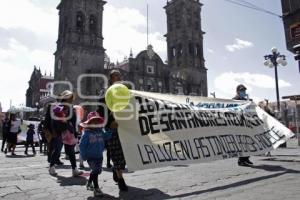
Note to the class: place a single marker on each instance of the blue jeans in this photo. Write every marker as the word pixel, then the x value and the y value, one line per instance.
pixel 56 144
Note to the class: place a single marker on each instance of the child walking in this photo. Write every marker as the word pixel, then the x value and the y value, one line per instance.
pixel 29 139
pixel 92 147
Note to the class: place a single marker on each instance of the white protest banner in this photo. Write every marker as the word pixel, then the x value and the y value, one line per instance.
pixel 24 128
pixel 159 130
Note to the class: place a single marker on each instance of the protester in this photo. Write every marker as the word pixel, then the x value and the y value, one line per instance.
pixel 64 129
pixel 5 132
pixel 265 106
pixel 29 139
pixel 114 144
pixel 241 94
pixel 42 138
pixel 15 129
pixel 50 134
pixel 92 147
pixel 80 113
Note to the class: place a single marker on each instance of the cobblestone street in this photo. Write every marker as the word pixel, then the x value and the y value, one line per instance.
pixel 275 177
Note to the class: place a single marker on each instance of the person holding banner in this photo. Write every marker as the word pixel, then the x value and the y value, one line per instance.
pixel 114 144
pixel 241 94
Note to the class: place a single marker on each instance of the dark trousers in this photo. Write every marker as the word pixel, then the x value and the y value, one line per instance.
pixel 56 146
pixel 70 151
pixel 31 143
pixel 3 141
pixel 96 169
pixel 41 146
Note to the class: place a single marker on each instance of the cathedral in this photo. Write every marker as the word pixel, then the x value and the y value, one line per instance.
pixel 38 88
pixel 80 52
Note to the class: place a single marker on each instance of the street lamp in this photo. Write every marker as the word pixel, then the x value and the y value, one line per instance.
pixel 273 60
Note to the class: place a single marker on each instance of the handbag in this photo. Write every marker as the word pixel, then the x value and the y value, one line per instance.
pixel 68 138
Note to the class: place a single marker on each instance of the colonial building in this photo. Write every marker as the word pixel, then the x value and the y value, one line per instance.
pixel 80 51
pixel 188 74
pixel 185 72
pixel 38 87
pixel 291 19
pixel 79 46
pixel 147 71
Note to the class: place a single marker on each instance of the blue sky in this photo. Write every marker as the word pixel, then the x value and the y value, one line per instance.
pixel 235 42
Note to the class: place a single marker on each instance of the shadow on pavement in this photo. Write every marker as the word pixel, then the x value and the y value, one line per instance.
pixel 139 193
pixel 105 197
pixel 274 168
pixel 281 160
pixel 19 156
pixel 291 155
pixel 70 181
pixel 244 182
pixel 135 193
pixel 64 166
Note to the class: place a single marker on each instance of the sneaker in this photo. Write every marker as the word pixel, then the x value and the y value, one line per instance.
pixel 76 172
pixel 243 163
pixel 52 171
pixel 25 153
pixel 248 162
pixel 115 176
pixel 13 154
pixel 5 151
pixel 90 186
pixel 98 192
pixel 122 185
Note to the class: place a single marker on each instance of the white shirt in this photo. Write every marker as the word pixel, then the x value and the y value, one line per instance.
pixel 15 126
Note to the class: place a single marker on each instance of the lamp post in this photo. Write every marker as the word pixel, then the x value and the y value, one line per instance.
pixel 274 60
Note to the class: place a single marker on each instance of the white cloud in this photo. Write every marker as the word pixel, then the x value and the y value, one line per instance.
pixel 38 22
pixel 27 15
pixel 210 51
pixel 127 32
pixel 239 45
pixel 16 67
pixel 227 82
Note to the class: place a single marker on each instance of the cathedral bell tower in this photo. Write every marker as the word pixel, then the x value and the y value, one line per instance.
pixel 79 46
pixel 185 47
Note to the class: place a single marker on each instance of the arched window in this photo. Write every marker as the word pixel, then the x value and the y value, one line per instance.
pixel 79 20
pixel 93 23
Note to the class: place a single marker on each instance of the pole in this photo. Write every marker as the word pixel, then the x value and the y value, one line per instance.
pixel 147 25
pixel 297 126
pixel 277 89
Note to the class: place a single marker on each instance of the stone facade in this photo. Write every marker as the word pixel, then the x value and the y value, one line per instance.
pixel 146 71
pixel 80 46
pixel 38 88
pixel 80 51
pixel 188 74
pixel 291 20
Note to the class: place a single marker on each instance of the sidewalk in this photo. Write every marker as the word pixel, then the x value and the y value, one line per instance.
pixel 276 177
